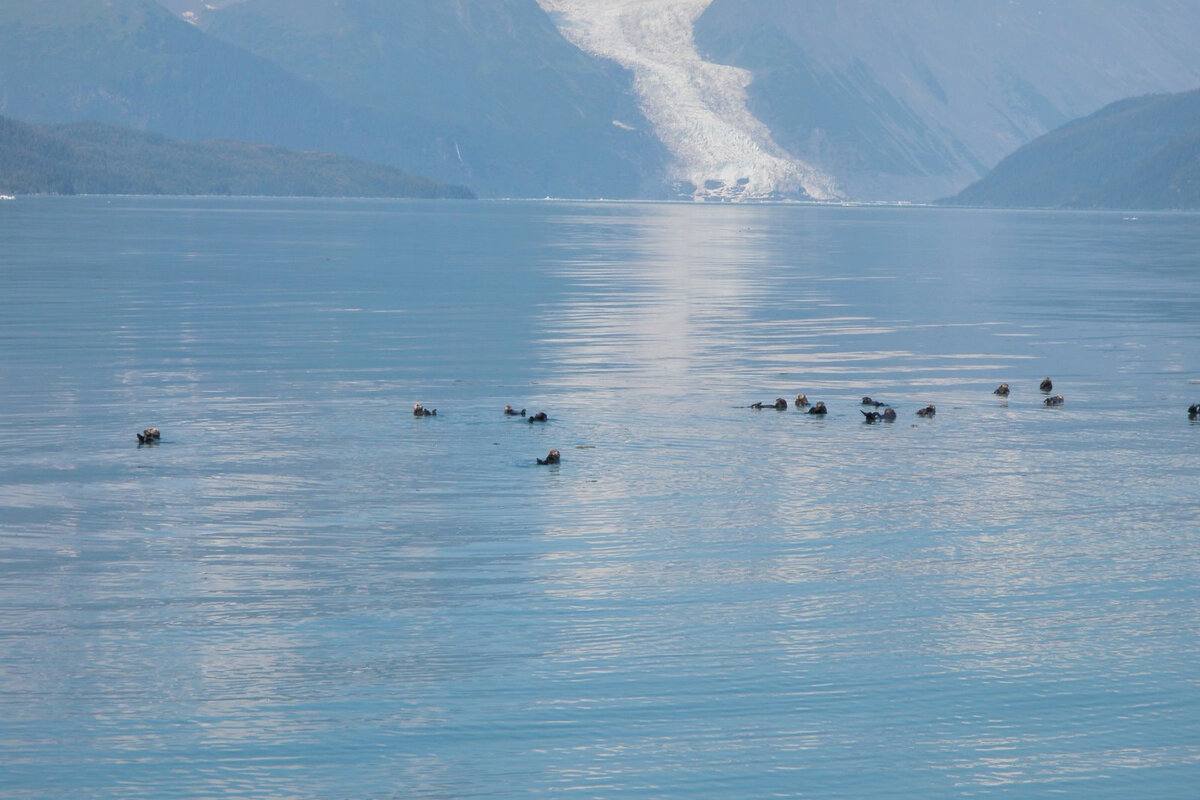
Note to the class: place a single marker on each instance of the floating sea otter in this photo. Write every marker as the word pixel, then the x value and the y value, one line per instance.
pixel 866 401
pixel 927 411
pixel 1046 385
pixel 801 400
pixel 1194 411
pixel 819 408
pixel 149 436
pixel 551 458
pixel 779 405
pixel 421 411
pixel 872 416
pixel 1002 390
pixel 538 417
pixel 889 415
pixel 509 411
pixel 1057 400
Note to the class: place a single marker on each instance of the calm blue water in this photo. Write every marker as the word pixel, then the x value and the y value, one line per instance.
pixel 305 592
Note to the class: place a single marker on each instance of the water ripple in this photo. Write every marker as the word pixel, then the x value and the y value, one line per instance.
pixel 304 590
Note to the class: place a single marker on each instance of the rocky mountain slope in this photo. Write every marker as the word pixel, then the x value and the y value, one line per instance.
pixel 915 100
pixel 521 111
pixel 486 94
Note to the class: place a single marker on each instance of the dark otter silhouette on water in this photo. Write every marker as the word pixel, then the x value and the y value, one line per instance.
pixel 1046 385
pixel 538 417
pixel 551 458
pixel 779 405
pixel 510 412
pixel 421 411
pixel 819 409
pixel 866 401
pixel 801 400
pixel 1002 390
pixel 1194 411
pixel 887 415
pixel 927 411
pixel 149 436
pixel 1057 400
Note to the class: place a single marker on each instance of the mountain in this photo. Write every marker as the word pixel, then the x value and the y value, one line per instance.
pixel 483 93
pixel 1142 152
pixel 524 111
pixel 93 158
pixel 709 99
pixel 915 100
pixel 132 63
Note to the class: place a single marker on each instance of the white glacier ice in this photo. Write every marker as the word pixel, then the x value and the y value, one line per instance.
pixel 698 109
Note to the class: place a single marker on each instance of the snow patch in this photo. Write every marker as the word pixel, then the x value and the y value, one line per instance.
pixel 698 109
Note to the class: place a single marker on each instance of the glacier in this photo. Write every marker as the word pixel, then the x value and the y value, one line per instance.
pixel 698 108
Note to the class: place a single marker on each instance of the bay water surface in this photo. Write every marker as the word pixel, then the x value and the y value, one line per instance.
pixel 304 591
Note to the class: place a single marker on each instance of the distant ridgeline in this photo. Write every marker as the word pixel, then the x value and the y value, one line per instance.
pixel 1143 152
pixel 91 158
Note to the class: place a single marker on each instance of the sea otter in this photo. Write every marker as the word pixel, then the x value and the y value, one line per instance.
pixel 872 416
pixel 1002 390
pixel 551 458
pixel 801 400
pixel 779 405
pixel 889 415
pixel 1046 385
pixel 538 417
pixel 927 411
pixel 149 436
pixel 421 411
pixel 866 401
pixel 509 411
pixel 1057 400
pixel 819 408
pixel 1194 411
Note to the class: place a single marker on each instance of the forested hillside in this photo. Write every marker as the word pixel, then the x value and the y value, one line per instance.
pixel 1143 152
pixel 92 158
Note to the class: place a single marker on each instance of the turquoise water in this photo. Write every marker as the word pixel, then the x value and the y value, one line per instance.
pixel 305 592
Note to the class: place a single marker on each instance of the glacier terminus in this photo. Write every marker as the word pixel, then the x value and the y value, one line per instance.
pixel 698 108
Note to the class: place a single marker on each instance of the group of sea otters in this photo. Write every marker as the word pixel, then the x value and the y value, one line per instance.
pixel 888 414
pixel 551 458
